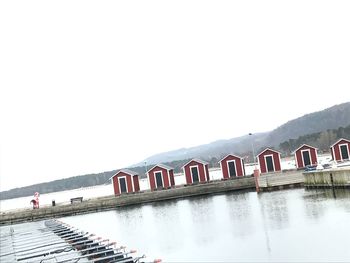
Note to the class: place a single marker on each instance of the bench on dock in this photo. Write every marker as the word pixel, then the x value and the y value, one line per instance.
pixel 76 199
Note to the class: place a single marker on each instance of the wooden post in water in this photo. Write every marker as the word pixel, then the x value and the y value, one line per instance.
pixel 332 183
pixel 256 179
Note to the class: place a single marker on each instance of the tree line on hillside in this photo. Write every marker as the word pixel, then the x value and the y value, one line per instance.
pixel 330 118
pixel 321 140
pixel 85 180
pixel 58 185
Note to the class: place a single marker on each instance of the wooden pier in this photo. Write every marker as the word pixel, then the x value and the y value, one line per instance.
pixel 280 180
pixel 330 178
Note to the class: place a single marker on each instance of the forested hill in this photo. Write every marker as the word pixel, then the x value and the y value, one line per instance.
pixel 85 181
pixel 320 140
pixel 331 118
pixel 59 185
pixel 319 129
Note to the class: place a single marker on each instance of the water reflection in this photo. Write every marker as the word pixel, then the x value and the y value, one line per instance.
pixel 152 222
pixel 238 211
pixel 290 225
pixel 274 209
pixel 202 216
pixel 327 194
pixel 316 201
pixel 202 210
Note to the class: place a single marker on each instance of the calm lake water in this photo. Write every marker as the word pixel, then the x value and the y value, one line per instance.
pixel 290 225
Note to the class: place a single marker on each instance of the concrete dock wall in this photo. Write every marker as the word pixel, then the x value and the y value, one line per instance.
pixel 339 178
pixel 280 180
pixel 110 202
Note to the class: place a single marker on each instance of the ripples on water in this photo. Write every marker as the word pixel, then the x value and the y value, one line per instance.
pixel 290 225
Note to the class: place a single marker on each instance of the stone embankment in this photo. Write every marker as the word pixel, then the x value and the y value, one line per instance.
pixel 330 178
pixel 111 202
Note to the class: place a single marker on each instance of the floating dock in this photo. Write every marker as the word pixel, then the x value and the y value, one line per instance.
pixel 54 241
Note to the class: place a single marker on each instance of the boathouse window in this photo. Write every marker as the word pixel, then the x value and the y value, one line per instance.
pixel 269 163
pixel 122 185
pixel 159 180
pixel 232 168
pixel 344 151
pixel 195 175
pixel 306 157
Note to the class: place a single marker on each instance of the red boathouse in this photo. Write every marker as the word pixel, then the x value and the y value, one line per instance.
pixel 161 176
pixel 232 166
pixel 269 161
pixel 305 155
pixel 125 181
pixel 340 150
pixel 196 171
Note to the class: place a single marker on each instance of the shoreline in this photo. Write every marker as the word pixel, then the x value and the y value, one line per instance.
pixel 266 182
pixel 99 204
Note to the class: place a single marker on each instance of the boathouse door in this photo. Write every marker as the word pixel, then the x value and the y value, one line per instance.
pixel 344 152
pixel 232 168
pixel 269 163
pixel 306 157
pixel 122 185
pixel 159 180
pixel 195 175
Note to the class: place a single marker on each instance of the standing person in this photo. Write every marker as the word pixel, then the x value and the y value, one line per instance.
pixel 35 201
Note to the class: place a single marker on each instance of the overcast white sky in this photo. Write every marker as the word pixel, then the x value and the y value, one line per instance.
pixel 91 86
